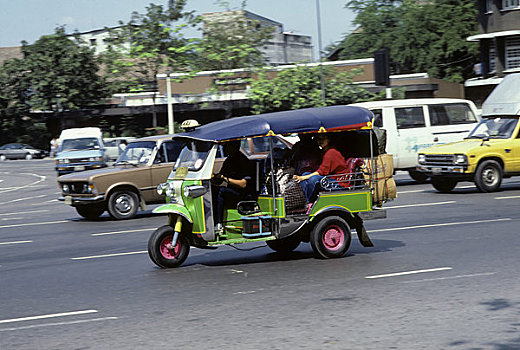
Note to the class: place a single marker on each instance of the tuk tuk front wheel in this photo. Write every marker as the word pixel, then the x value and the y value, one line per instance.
pixel 161 251
pixel 331 237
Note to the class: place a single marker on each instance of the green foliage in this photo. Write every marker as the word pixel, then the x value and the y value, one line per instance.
pixel 147 45
pixel 300 87
pixel 427 36
pixel 61 73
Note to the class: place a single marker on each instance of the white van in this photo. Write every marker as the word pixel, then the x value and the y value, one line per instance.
pixel 80 149
pixel 414 124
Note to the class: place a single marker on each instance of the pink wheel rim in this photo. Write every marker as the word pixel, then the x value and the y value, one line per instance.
pixel 333 238
pixel 168 253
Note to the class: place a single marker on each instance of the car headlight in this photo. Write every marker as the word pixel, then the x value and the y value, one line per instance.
pixel 161 188
pixel 170 189
pixel 65 188
pixel 421 159
pixel 460 159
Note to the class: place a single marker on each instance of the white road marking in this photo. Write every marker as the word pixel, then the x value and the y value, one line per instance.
pixel 39 317
pixel 59 323
pixel 418 205
pixel 109 255
pixel 127 231
pixel 15 242
pixel 246 292
pixel 35 224
pixel 408 272
pixel 24 212
pixel 508 197
pixel 23 199
pixel 452 277
pixel 436 225
pixel 415 191
pixel 42 178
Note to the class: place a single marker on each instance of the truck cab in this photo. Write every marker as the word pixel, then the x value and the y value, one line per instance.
pixel 489 153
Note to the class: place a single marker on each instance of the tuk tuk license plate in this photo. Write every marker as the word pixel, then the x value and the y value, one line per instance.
pixel 180 173
pixel 68 200
pixel 79 168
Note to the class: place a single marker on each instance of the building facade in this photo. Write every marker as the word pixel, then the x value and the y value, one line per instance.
pixel 499 40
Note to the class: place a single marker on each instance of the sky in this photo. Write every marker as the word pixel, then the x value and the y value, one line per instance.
pixel 30 19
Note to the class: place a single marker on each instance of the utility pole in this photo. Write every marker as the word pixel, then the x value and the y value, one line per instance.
pixel 169 101
pixel 322 82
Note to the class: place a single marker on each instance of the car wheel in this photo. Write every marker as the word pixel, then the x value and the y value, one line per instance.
pixel 284 245
pixel 488 176
pixel 418 176
pixel 28 156
pixel 161 251
pixel 2 157
pixel 123 204
pixel 91 212
pixel 331 237
pixel 443 185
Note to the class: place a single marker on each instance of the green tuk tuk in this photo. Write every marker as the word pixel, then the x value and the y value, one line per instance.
pixel 342 203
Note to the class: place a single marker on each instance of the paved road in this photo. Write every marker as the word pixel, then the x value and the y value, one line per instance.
pixel 443 275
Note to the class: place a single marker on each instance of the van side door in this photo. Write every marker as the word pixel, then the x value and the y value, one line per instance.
pixel 412 135
pixel 451 121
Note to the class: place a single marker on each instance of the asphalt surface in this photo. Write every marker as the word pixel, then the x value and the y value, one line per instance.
pixel 443 275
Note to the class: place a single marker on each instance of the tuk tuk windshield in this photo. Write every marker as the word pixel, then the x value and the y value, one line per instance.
pixel 193 155
pixel 496 128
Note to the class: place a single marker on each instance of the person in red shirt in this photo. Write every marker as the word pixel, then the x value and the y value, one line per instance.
pixel 332 163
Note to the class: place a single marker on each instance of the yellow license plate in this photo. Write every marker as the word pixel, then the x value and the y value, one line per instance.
pixel 180 173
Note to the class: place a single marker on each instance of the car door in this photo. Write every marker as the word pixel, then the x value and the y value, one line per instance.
pixel 412 135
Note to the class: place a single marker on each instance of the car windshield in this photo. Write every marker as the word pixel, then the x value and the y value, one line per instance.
pixel 497 128
pixel 193 155
pixel 80 144
pixel 137 153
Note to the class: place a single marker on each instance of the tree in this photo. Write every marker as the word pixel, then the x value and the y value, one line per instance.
pixel 421 36
pixel 232 41
pixel 300 87
pixel 147 45
pixel 61 72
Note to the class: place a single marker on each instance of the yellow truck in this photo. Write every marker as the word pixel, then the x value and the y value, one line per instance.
pixel 489 153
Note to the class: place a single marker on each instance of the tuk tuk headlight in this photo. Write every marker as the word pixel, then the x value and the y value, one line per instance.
pixel 170 189
pixel 194 191
pixel 460 159
pixel 161 188
pixel 421 159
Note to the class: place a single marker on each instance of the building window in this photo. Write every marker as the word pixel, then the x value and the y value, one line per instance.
pixel 489 6
pixel 513 52
pixel 492 66
pixel 510 4
pixel 92 42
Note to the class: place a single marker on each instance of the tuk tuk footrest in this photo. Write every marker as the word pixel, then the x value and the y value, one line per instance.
pixel 257 226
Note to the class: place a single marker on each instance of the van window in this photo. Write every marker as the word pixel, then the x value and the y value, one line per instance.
pixel 453 113
pixel 378 117
pixel 409 117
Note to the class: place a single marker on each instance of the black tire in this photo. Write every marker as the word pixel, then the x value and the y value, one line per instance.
pixel 443 185
pixel 161 254
pixel 331 238
pixel 285 245
pixel 2 157
pixel 123 204
pixel 418 176
pixel 488 176
pixel 91 212
pixel 28 156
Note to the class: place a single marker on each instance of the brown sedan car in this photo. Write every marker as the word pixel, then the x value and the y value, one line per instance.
pixel 129 184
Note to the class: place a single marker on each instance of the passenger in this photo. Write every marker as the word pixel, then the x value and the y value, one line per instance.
pixel 306 155
pixel 237 173
pixel 332 163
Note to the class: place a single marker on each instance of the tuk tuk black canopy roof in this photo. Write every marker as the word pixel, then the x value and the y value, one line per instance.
pixel 322 119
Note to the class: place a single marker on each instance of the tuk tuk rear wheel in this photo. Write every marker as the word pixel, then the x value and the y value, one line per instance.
pixel 331 237
pixel 284 245
pixel 161 252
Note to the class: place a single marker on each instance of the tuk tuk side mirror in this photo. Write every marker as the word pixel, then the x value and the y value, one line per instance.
pixel 248 207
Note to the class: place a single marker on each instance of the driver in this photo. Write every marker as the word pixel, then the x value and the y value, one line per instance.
pixel 237 174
